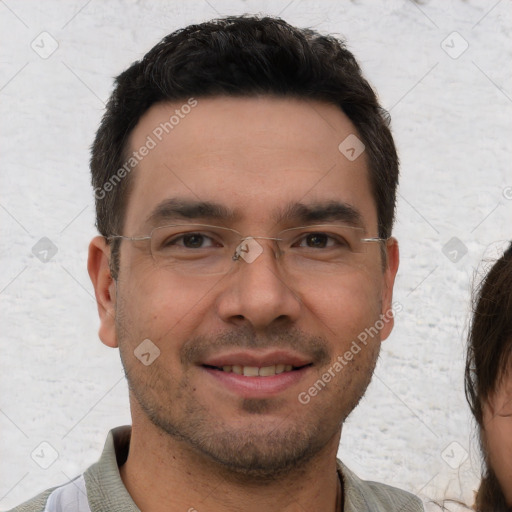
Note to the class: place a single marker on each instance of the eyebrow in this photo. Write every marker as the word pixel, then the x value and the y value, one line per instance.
pixel 173 209
pixel 178 209
pixel 330 211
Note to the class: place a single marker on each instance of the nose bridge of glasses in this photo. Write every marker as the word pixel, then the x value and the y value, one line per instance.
pixel 249 249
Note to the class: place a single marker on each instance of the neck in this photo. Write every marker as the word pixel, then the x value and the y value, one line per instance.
pixel 162 473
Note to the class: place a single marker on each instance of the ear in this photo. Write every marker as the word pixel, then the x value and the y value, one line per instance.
pixel 104 289
pixel 393 260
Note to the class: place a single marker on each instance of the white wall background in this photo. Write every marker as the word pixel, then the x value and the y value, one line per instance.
pixel 453 127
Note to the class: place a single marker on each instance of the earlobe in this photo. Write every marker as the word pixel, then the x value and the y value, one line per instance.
pixel 104 288
pixel 392 263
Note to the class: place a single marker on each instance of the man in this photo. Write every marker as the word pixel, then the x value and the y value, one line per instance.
pixel 245 181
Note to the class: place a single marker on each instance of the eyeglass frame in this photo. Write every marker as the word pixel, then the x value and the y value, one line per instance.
pixel 237 253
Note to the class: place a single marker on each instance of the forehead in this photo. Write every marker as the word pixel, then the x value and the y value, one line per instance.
pixel 253 155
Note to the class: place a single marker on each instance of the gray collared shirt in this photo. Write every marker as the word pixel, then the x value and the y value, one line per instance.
pixel 100 488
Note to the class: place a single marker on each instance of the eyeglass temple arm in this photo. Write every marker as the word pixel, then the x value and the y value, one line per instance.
pixel 374 239
pixel 134 238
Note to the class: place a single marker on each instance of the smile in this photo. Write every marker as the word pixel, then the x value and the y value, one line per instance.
pixel 255 371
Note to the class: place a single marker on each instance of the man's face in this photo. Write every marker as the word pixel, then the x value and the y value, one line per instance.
pixel 498 434
pixel 257 158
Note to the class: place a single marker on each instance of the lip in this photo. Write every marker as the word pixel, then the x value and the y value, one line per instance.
pixel 257 358
pixel 256 387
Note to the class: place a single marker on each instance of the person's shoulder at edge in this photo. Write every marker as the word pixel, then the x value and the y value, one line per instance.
pixel 74 495
pixel 35 504
pixel 362 495
pixel 68 497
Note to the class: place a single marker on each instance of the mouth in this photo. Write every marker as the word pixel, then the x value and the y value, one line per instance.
pixel 250 374
pixel 255 371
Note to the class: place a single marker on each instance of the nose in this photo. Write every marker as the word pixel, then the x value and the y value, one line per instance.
pixel 256 291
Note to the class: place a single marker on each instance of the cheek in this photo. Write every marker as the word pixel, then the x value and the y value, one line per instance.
pixel 159 306
pixel 498 441
pixel 346 308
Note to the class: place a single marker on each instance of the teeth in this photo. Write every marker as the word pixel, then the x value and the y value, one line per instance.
pixel 250 371
pixel 267 370
pixel 254 371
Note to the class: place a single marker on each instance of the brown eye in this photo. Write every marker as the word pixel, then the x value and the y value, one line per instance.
pixel 318 240
pixel 189 241
pixel 193 241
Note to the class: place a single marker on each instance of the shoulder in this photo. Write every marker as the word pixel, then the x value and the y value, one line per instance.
pixel 99 488
pixel 35 504
pixel 373 496
pixel 71 497
pixel 394 499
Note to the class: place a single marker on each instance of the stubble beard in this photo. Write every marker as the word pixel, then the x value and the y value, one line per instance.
pixel 254 450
